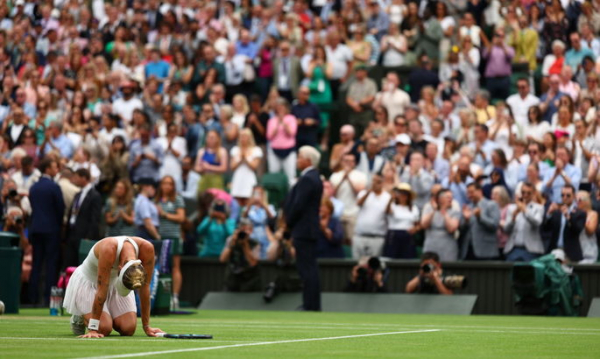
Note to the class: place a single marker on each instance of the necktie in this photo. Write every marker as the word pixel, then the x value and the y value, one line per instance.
pixel 76 203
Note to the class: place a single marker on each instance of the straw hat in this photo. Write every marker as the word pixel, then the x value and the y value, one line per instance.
pixel 405 187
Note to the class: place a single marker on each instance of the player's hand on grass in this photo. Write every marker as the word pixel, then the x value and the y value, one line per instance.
pixel 92 334
pixel 151 332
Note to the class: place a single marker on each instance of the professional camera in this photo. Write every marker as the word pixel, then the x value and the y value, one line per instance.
pixel 242 236
pixel 427 268
pixel 219 207
pixel 287 279
pixel 450 281
pixel 370 277
pixel 12 193
pixel 455 281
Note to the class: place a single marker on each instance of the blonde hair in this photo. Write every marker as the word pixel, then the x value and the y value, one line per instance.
pixel 585 198
pixel 503 196
pixel 248 132
pixel 134 277
pixel 244 100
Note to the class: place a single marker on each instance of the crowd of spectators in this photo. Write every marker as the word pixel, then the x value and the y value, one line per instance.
pixel 124 111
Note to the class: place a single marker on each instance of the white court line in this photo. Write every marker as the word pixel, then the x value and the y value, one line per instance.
pixel 300 325
pixel 256 344
pixel 155 340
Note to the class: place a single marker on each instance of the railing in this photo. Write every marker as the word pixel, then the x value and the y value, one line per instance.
pixel 489 280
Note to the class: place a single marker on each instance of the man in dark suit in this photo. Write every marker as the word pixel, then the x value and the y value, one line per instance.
pixel 566 222
pixel 47 207
pixel 17 128
pixel 302 219
pixel 84 216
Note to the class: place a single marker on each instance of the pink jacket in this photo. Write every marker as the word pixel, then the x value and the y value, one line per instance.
pixel 281 141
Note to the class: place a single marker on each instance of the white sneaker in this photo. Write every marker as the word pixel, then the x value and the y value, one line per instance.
pixel 77 325
pixel 174 303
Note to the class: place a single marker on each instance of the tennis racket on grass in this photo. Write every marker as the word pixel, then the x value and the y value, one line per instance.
pixel 184 336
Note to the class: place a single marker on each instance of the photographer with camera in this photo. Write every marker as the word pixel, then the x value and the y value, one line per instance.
pixel 15 223
pixel 215 229
pixel 282 252
pixel 11 198
pixel 430 279
pixel 241 254
pixel 367 276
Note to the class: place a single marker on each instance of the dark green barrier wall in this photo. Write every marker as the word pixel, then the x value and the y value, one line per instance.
pixel 489 280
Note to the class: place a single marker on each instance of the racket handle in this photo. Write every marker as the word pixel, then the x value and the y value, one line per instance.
pixel 161 335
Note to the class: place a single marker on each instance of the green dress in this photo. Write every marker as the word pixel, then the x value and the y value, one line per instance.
pixel 169 229
pixel 320 93
pixel 119 228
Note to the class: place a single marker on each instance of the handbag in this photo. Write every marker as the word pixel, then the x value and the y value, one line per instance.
pixel 249 73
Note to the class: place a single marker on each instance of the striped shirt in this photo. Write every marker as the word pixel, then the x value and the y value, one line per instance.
pixel 169 229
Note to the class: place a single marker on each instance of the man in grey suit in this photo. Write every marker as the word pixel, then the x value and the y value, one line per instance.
pixel 480 220
pixel 523 223
pixel 287 72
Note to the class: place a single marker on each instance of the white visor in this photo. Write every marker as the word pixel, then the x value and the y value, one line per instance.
pixel 121 288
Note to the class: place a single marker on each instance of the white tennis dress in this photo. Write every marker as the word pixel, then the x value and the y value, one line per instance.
pixel 81 290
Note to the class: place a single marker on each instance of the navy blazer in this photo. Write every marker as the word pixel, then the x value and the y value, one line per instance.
pixel 573 228
pixel 47 207
pixel 87 222
pixel 302 207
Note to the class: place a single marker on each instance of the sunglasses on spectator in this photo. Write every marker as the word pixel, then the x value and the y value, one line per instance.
pixel 525 193
pixel 565 195
pixel 532 152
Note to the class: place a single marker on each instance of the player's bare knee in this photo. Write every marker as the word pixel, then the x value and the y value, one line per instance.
pixel 127 331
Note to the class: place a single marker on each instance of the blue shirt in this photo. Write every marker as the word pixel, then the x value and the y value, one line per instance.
pixel 487 148
pixel 381 22
pixel 573 58
pixel 459 190
pixel 552 105
pixel 64 145
pixel 250 49
pixel 147 168
pixel 563 224
pixel 144 208
pixel 554 190
pixel 159 69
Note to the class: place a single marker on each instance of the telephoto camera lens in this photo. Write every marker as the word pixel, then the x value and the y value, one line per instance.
pixel 455 281
pixel 427 268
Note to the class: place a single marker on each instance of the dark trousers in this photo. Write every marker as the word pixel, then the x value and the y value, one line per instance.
pixel 72 252
pixel 400 245
pixel 46 247
pixel 287 94
pixel 499 87
pixel 472 257
pixel 306 262
pixel 335 89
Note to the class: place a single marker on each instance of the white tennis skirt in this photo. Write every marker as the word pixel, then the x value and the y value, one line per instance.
pixel 81 292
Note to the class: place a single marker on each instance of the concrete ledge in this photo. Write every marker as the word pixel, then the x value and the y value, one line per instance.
pixel 346 302
pixel 594 311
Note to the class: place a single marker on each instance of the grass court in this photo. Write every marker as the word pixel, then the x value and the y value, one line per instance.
pixel 245 334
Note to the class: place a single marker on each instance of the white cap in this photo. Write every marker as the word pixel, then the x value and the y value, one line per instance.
pixel 559 254
pixel 403 138
pixel 121 288
pixel 20 3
